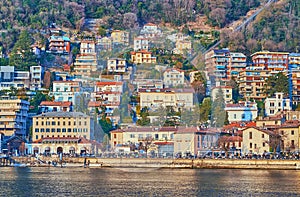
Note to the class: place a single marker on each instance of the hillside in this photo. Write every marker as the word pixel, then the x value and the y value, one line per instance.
pixel 275 29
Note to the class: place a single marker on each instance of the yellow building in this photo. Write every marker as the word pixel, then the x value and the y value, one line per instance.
pixel 139 57
pixel 256 140
pixel 62 124
pixel 120 37
pixel 13 116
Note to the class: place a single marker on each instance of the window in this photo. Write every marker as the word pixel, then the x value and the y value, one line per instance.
pixel 250 136
pixel 36 137
pixel 36 123
pixel 42 130
pixel 52 130
pixel 64 123
pixel 272 104
pixel 141 136
pixel 250 145
pixel 292 132
pixel 64 130
pixel 293 143
pixel 58 130
pixel 58 123
pixel 69 130
pixel 115 135
pixel 53 123
pixel 243 116
pixel 255 146
pixel 263 144
pixel 279 104
pixel 42 123
pixel 84 123
pixel 262 135
pixel 69 123
pixel 75 130
pixel 36 130
pixel 234 116
pixel 47 130
pixel 132 136
pixel 156 136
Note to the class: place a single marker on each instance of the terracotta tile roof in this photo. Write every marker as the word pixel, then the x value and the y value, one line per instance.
pixel 150 24
pixel 94 104
pixel 56 103
pixel 105 83
pixel 163 143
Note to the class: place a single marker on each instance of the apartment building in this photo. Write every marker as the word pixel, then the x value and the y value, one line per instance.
pixel 59 44
pixel 140 57
pixel 86 62
pixel 108 91
pixel 274 62
pixel 294 78
pixel 9 77
pixel 65 90
pixel 55 106
pixel 289 132
pixel 173 77
pixel 251 82
pixel 277 104
pixel 36 77
pixel 176 98
pixel 237 63
pixel 13 117
pixel 62 124
pixel 216 63
pixel 140 44
pixel 116 65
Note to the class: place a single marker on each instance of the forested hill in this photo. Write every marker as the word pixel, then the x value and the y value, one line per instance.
pixel 275 29
pixel 120 13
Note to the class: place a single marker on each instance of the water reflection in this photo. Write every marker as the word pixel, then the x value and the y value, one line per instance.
pixel 147 182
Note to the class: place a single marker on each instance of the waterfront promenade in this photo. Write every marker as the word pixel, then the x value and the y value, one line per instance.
pixel 160 163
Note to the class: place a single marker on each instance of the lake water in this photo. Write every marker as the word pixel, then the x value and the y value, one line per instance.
pixel 147 182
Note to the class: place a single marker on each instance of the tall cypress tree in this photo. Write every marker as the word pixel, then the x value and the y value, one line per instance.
pixel 218 115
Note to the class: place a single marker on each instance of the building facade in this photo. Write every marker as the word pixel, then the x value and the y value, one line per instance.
pixel 173 77
pixel 277 104
pixel 13 117
pixel 243 111
pixel 62 124
pixel 140 57
pixel 117 65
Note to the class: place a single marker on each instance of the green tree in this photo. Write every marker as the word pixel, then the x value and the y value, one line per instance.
pixel 22 56
pixel 218 114
pixel 277 83
pixel 36 100
pixel 205 110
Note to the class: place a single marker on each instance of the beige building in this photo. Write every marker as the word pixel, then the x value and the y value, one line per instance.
pixel 226 90
pixel 13 116
pixel 86 61
pixel 140 134
pixel 252 81
pixel 173 77
pixel 256 140
pixel 183 46
pixel 289 132
pixel 177 98
pixel 139 57
pixel 62 124
pixel 66 145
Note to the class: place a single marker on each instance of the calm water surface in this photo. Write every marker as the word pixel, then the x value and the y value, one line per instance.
pixel 147 182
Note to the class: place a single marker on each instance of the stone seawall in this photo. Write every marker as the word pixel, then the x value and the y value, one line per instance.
pixel 163 163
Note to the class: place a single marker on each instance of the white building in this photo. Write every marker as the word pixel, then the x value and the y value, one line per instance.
pixel 117 65
pixel 150 30
pixel 65 90
pixel 36 77
pixel 226 91
pixel 176 98
pixel 277 104
pixel 108 92
pixel 140 43
pixel 173 77
pixel 13 116
pixel 243 111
